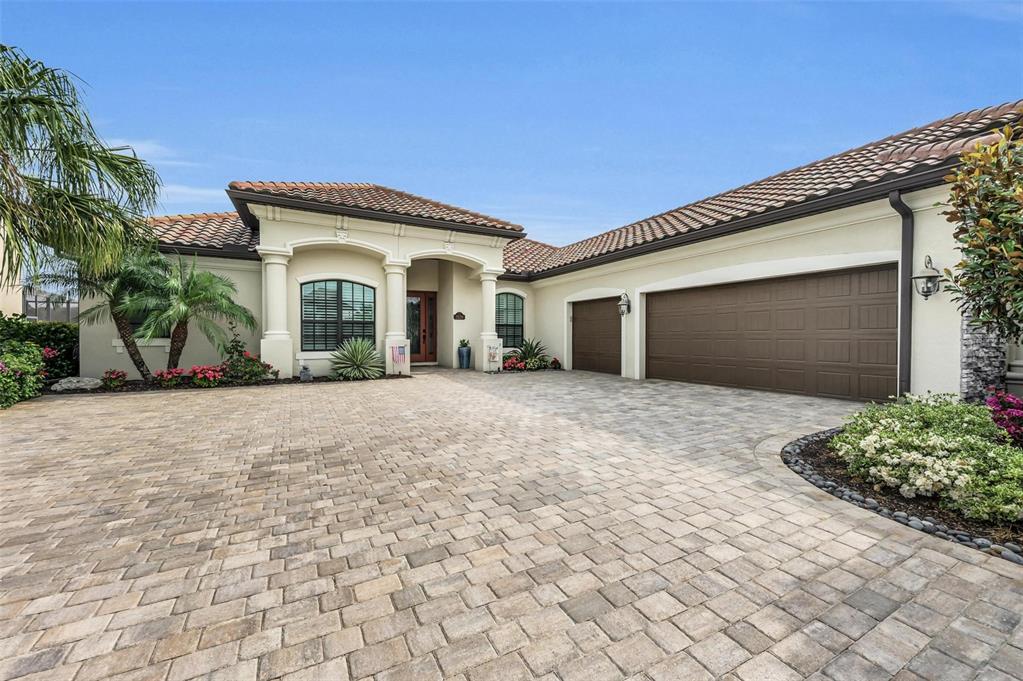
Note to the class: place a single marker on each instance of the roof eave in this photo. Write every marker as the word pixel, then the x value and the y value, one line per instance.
pixel 205 251
pixel 931 177
pixel 241 198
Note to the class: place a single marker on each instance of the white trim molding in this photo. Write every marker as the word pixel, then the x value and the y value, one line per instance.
pixel 345 243
pixel 450 253
pixel 321 276
pixel 513 291
pixel 164 343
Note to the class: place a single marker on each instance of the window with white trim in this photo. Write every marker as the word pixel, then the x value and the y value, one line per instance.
pixel 509 319
pixel 335 310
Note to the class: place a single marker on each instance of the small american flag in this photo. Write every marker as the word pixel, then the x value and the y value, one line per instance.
pixel 398 355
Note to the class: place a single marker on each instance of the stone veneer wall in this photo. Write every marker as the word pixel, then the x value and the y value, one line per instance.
pixel 983 361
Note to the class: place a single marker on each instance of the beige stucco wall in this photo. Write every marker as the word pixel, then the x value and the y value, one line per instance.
pixel 10 296
pixel 860 235
pixel 322 246
pixel 343 247
pixel 101 347
pixel 10 300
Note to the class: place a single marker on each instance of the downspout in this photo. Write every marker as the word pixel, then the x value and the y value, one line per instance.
pixel 905 291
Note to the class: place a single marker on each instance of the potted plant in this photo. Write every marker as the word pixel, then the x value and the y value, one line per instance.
pixel 464 353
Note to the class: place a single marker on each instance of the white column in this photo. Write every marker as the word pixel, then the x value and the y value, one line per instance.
pixel 489 359
pixel 276 346
pixel 397 362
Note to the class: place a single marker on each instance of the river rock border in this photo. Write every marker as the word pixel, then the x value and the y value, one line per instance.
pixel 790 455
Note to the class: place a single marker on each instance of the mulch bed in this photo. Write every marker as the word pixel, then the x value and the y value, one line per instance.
pixel 828 465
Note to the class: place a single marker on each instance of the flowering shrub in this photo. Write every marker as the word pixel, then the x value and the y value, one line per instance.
pixel 513 363
pixel 168 378
pixel 555 363
pixel 114 378
pixel 937 446
pixel 1007 412
pixel 537 363
pixel 246 368
pixel 21 372
pixel 59 337
pixel 241 367
pixel 206 375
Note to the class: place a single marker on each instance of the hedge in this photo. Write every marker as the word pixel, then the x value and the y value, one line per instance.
pixel 59 336
pixel 21 372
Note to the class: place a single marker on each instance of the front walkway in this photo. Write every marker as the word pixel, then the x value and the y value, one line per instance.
pixel 555 525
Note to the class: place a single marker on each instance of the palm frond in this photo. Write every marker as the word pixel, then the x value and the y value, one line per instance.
pixel 61 187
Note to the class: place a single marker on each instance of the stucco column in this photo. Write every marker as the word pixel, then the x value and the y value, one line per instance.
pixel 396 344
pixel 276 346
pixel 489 359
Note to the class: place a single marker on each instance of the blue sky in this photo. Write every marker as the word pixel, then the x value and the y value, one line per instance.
pixel 568 118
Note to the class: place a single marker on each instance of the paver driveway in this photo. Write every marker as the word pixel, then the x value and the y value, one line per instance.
pixel 557 525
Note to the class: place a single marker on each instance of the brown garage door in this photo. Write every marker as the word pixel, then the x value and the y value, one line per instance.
pixel 597 336
pixel 832 334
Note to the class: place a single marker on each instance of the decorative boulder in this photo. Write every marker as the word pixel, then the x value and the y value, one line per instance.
pixel 76 383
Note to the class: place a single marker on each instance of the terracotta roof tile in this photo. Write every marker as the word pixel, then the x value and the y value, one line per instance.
pixel 525 255
pixel 899 154
pixel 374 197
pixel 221 231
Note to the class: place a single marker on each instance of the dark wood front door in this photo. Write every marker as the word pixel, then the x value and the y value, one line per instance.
pixel 597 336
pixel 421 325
pixel 832 334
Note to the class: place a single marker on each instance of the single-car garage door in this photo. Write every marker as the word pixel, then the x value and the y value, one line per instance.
pixel 597 336
pixel 830 334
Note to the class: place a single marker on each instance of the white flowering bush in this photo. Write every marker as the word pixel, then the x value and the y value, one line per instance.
pixel 937 446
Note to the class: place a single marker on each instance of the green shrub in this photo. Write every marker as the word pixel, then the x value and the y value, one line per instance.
pixel 61 338
pixel 21 371
pixel 241 367
pixel 356 359
pixel 531 348
pixel 937 446
pixel 114 379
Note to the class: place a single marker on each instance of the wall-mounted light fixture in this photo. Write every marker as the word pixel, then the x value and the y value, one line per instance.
pixel 928 282
pixel 624 305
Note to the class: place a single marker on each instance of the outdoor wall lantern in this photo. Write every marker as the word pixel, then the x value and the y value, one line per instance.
pixel 929 282
pixel 624 305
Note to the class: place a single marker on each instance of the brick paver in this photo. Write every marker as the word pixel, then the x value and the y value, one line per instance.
pixel 553 525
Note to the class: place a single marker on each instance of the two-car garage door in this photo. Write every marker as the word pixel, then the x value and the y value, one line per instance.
pixel 830 334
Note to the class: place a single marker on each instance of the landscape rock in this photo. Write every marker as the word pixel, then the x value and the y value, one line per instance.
pixel 76 383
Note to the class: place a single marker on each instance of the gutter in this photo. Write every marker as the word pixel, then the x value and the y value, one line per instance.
pixel 905 290
pixel 227 253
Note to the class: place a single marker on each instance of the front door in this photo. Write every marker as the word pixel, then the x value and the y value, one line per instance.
pixel 421 325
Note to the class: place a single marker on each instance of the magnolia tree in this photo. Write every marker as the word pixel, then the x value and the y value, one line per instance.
pixel 986 207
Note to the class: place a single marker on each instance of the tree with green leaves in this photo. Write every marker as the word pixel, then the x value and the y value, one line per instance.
pixel 181 295
pixel 112 288
pixel 986 206
pixel 61 187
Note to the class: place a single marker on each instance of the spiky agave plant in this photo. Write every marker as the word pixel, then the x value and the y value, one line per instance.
pixel 356 359
pixel 533 350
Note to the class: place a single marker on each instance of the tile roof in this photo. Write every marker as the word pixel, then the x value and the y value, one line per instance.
pixel 376 198
pixel 523 256
pixel 918 149
pixel 217 231
pixel 900 154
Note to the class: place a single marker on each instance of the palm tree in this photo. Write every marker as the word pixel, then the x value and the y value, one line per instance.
pixel 60 187
pixel 182 295
pixel 112 288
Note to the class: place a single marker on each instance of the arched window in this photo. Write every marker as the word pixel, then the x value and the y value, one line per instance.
pixel 509 319
pixel 334 311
